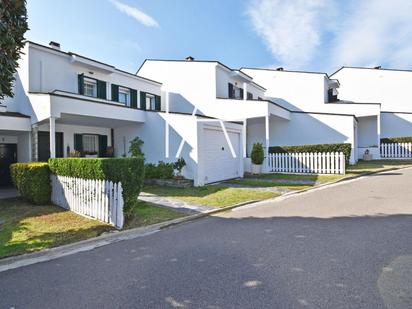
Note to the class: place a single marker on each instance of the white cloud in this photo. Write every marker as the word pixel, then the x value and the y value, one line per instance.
pixel 137 14
pixel 328 34
pixel 290 29
pixel 376 32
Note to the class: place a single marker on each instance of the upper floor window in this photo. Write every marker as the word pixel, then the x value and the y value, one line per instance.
pixel 149 101
pixel 235 92
pixel 90 87
pixel 332 95
pixel 124 96
pixel 250 96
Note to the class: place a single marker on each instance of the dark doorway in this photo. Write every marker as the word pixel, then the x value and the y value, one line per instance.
pixel 44 145
pixel 8 156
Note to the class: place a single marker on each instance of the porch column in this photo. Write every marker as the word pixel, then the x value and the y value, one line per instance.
pixel 245 91
pixel 167 103
pixel 52 137
pixel 378 124
pixel 244 132
pixel 267 135
pixel 34 142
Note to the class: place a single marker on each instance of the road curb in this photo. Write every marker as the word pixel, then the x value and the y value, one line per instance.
pixel 117 236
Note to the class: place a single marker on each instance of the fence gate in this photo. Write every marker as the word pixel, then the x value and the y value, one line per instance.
pixel 307 163
pixel 97 199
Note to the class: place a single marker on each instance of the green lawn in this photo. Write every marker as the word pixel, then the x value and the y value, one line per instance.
pixel 362 167
pixel 28 228
pixel 269 184
pixel 147 213
pixel 212 195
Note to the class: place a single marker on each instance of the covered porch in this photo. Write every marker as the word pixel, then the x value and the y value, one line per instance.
pixel 75 136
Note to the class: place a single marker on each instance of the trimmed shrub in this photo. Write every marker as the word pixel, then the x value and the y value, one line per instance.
pixel 258 155
pixel 402 139
pixel 342 147
pixel 160 171
pixel 128 171
pixel 32 180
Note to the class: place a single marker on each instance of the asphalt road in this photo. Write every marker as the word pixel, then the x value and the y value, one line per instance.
pixel 348 246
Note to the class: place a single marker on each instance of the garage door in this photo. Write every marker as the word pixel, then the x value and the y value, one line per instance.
pixel 219 162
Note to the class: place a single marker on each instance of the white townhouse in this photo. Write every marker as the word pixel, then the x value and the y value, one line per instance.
pixel 65 102
pixel 318 112
pixel 389 87
pixel 212 89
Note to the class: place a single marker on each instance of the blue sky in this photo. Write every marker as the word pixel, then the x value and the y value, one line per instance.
pixel 296 34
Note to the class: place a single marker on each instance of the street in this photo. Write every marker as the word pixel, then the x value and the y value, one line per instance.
pixel 347 246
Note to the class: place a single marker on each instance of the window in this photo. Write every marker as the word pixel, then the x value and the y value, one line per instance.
pixel 124 96
pixel 250 96
pixel 90 144
pixel 150 102
pixel 90 87
pixel 332 95
pixel 235 92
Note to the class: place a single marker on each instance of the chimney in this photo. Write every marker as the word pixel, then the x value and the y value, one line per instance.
pixel 189 58
pixel 279 69
pixel 377 67
pixel 54 45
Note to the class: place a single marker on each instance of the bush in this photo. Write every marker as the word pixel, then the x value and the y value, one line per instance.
pixel 179 165
pixel 135 148
pixel 257 154
pixel 160 171
pixel 403 139
pixel 32 180
pixel 342 147
pixel 128 171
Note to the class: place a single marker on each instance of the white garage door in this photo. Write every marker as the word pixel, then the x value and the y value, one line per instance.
pixel 219 161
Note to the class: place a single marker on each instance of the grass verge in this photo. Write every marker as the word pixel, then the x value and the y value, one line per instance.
pixel 212 195
pixel 27 228
pixel 269 184
pixel 147 213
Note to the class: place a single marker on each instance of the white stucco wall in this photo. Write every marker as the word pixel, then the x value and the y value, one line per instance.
pixel 294 90
pixel 389 87
pixel 367 132
pixel 303 129
pixel 396 124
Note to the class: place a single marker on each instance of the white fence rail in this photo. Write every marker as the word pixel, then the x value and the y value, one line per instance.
pixel 97 199
pixel 396 150
pixel 307 163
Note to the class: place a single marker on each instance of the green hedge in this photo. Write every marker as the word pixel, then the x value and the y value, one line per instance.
pixel 129 171
pixel 342 147
pixel 403 139
pixel 32 180
pixel 160 171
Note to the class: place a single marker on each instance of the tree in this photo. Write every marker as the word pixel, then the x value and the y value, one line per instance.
pixel 13 25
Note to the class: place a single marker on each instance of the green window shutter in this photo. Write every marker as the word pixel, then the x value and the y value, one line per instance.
pixel 133 98
pixel 157 103
pixel 230 90
pixel 102 145
pixel 101 90
pixel 143 100
pixel 78 143
pixel 241 93
pixel 80 79
pixel 115 93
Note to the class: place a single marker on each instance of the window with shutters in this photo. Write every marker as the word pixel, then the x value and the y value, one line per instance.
pixel 90 144
pixel 236 92
pixel 150 102
pixel 124 96
pixel 90 87
pixel 250 96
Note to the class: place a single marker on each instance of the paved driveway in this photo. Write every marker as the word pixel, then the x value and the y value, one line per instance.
pixel 349 246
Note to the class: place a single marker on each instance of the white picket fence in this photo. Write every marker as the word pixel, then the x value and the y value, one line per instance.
pixel 396 150
pixel 307 163
pixel 97 199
